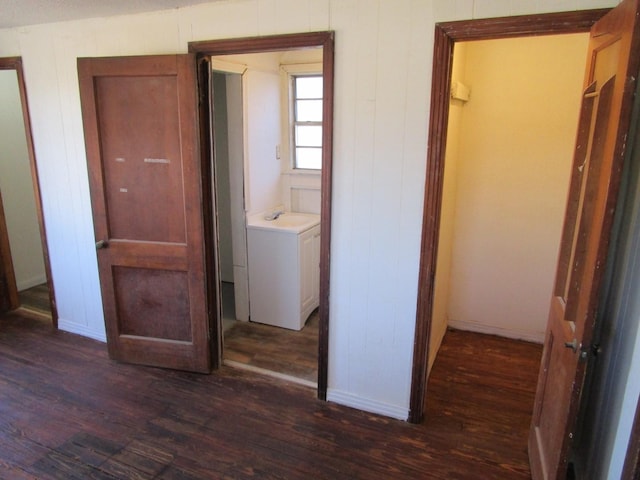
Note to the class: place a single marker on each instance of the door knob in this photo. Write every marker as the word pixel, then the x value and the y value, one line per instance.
pixel 101 244
pixel 573 345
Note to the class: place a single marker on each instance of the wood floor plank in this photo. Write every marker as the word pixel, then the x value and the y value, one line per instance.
pixel 289 352
pixel 36 299
pixel 67 411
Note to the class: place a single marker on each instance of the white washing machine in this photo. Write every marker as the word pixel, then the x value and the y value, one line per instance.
pixel 284 268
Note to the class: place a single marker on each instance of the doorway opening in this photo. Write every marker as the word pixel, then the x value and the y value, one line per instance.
pixel 446 35
pixel 268 264
pixel 270 218
pixel 26 273
pixel 510 139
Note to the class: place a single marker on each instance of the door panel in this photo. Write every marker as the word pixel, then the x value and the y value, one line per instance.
pixel 147 200
pixel 149 300
pixel 590 215
pixel 142 140
pixel 599 153
pixel 575 188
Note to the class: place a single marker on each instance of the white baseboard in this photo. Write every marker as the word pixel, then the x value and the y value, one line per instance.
pixel 354 401
pixel 71 327
pixel 535 337
pixel 31 282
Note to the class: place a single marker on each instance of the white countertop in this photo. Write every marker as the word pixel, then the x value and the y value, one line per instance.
pixel 287 222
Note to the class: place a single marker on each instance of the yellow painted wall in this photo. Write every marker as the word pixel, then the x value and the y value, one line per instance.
pixel 447 214
pixel 515 150
pixel 16 187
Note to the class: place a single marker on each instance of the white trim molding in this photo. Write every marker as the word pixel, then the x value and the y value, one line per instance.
pixel 72 327
pixel 528 336
pixel 371 406
pixel 32 282
pixel 287 70
pixel 225 66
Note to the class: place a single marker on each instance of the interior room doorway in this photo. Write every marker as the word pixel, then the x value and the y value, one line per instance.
pixel 267 265
pixel 609 87
pixel 25 275
pixel 503 201
pixel 447 35
pixel 286 43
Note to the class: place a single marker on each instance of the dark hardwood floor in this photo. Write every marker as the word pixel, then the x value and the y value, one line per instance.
pixel 68 412
pixel 480 398
pixel 36 299
pixel 285 352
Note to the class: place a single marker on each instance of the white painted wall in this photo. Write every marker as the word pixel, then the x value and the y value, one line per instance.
pixel 300 192
pixel 16 187
pixel 383 64
pixel 261 92
pixel 517 136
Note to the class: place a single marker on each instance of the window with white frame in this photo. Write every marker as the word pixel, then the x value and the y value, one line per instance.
pixel 306 124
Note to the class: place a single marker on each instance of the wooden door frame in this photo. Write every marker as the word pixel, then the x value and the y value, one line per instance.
pixel 15 63
pixel 11 301
pixel 280 43
pixel 446 35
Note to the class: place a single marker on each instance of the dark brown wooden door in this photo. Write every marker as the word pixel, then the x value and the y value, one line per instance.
pixel 612 68
pixel 8 288
pixel 141 135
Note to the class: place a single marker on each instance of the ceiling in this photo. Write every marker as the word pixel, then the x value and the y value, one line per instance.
pixel 17 13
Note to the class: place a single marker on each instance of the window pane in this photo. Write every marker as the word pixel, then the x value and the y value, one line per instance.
pixel 308 136
pixel 309 158
pixel 309 110
pixel 308 87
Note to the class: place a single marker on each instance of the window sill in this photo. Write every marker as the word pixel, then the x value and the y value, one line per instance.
pixel 303 171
